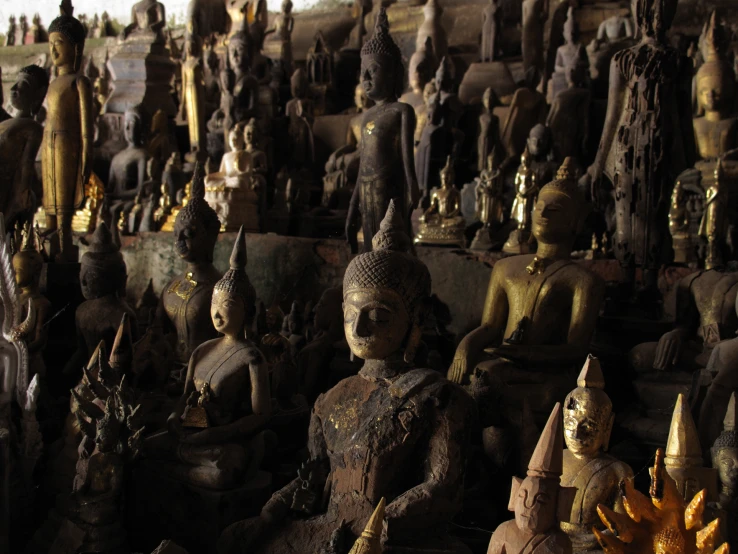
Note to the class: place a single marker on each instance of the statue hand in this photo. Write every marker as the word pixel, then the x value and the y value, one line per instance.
pixel 668 350
pixel 459 366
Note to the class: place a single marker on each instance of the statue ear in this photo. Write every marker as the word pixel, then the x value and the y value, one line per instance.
pixel 516 482
pixel 422 309
pixel 608 432
pixel 565 502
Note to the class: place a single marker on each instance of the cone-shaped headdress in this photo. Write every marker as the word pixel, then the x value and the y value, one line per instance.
pixel 381 42
pixel 547 460
pixel 122 352
pixel 683 447
pixel 197 210
pixel 370 540
pixel 236 281
pixel 103 253
pixel 729 436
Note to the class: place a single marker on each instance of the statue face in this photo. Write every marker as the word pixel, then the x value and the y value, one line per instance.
pixel 536 505
pixel 538 141
pixel 249 135
pixel 227 312
pixel 23 93
pixel 191 241
pixel 726 462
pixel 235 139
pixel 710 93
pixel 237 56
pixel 376 77
pixel 96 282
pixel 586 418
pixel 375 321
pixel 133 129
pixel 553 217
pixel 61 50
pixel 26 271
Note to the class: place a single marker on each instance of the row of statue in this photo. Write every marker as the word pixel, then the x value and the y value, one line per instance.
pixel 20 33
pixel 356 424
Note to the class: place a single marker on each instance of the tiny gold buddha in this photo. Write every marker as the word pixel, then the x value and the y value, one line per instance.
pixel 526 191
pixel 442 222
pixel 66 151
pixel 595 475
pixel 665 524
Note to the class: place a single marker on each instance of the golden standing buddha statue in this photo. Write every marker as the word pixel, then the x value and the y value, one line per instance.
pixel 66 151
pixel 192 108
pixel 596 476
pixel 526 191
pixel 442 222
pixel 489 201
pixel 539 501
pixel 665 524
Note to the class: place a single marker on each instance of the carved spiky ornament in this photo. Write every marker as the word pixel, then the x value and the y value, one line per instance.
pixel 664 525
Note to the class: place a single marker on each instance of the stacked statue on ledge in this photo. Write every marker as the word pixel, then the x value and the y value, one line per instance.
pixel 66 151
pixel 386 169
pixel 419 425
pixel 647 141
pixel 442 222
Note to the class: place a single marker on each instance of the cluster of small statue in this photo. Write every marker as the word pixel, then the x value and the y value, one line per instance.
pixel 344 426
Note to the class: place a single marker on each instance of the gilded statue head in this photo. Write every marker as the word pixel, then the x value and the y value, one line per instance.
pixel 448 176
pixel 28 262
pixel 103 270
pixel 420 68
pixel 67 39
pixel 560 207
pixel 197 225
pixel 588 417
pixel 236 138
pixel 234 299
pixel 385 294
pixel 536 500
pixel 715 78
pixel 381 63
pixel 539 140
pixel 133 125
pixel 28 93
pixel 654 17
pixel 725 452
pixel 251 134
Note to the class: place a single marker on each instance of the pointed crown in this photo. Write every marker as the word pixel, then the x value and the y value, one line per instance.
pixel 236 281
pixel 728 438
pixel 448 171
pixel 714 45
pixel 68 25
pixel 197 210
pixel 102 252
pixel 381 42
pixel 566 182
pixel 122 352
pixel 391 265
pixel 591 376
pixel 370 540
pixel 547 460
pixel 683 447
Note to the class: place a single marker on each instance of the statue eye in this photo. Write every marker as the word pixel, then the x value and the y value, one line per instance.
pixel 379 315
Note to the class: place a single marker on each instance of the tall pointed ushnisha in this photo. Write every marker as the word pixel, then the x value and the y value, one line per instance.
pixel 121 354
pixel 683 459
pixel 725 460
pixel 236 280
pixel 538 499
pixel 387 164
pixel 370 540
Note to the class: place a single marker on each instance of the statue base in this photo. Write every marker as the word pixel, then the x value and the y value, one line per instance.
pixel 235 207
pixel 142 72
pixel 191 516
pixel 517 242
pixel 441 236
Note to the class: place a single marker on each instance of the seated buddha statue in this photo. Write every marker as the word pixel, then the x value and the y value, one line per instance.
pixel 705 315
pixel 128 167
pixel 595 475
pixel 148 18
pixel 541 309
pixel 228 174
pixel 539 501
pixel 213 437
pixel 184 309
pixel 102 277
pixel 442 222
pixel 413 433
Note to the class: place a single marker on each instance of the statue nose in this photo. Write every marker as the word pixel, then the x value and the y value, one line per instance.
pixel 360 326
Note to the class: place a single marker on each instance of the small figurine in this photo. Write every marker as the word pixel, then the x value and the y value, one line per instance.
pixel 523 319
pixel 665 524
pixel 724 454
pixel 442 222
pixel 192 108
pixel 534 16
pixel 20 139
pixel 491 30
pixel 489 128
pixel 570 54
pixel 103 277
pixel 647 141
pixel 241 84
pixel 299 112
pixel 10 35
pixel 386 169
pixel 362 460
pixel 284 23
pixel 213 437
pixel 432 29
pixel 128 167
pixel 539 501
pixel 489 202
pixel 420 72
pixel 568 118
pixel 684 456
pixel 527 187
pixel 595 475
pixel 66 151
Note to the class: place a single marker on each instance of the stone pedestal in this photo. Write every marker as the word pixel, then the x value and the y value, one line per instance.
pixel 235 207
pixel 142 71
pixel 191 516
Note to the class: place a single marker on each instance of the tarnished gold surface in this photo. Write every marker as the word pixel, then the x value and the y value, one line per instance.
pixel 664 525
pixel 85 219
pixel 442 222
